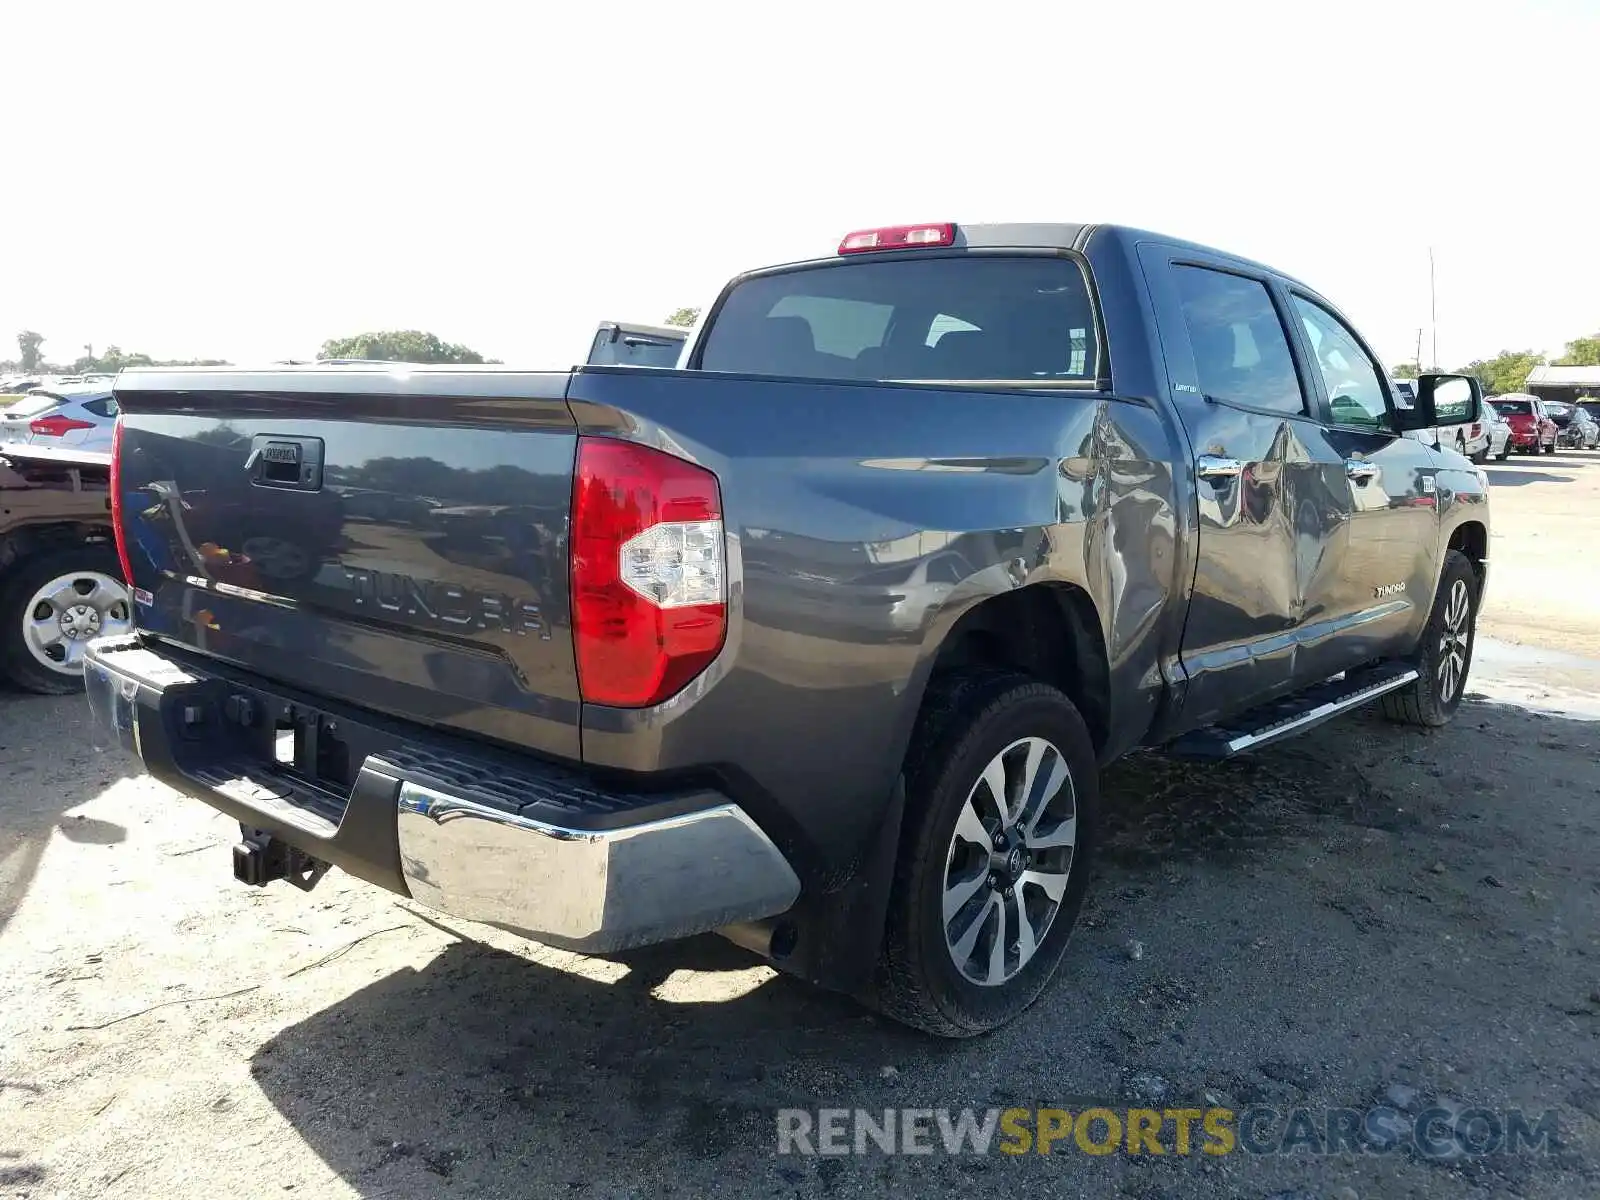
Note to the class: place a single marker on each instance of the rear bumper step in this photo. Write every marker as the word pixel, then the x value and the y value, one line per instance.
pixel 1295 713
pixel 533 848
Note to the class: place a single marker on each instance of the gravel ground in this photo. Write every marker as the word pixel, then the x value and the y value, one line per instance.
pixel 1363 915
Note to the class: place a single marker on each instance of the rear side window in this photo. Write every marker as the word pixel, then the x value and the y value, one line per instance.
pixel 1241 353
pixel 962 317
pixel 106 406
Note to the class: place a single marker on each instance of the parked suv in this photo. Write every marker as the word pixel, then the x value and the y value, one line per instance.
pixel 1575 429
pixel 1532 430
pixel 818 642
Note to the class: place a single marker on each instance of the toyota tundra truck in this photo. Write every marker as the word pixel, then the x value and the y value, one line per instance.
pixel 820 639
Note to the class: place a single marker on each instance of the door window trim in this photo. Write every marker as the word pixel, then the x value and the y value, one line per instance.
pixel 1308 397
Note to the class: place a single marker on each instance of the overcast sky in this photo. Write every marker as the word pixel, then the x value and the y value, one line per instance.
pixel 244 181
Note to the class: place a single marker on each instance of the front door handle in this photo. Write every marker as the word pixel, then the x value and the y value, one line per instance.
pixel 1359 470
pixel 1211 466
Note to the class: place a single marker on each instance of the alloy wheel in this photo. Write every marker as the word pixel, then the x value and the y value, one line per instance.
pixel 1454 641
pixel 1009 858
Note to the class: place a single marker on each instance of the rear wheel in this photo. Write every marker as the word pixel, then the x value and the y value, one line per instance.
pixel 1002 794
pixel 1505 452
pixel 51 605
pixel 1444 656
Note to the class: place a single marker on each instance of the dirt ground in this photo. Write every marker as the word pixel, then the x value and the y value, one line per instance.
pixel 1363 915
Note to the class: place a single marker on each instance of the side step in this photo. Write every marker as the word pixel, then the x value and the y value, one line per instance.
pixel 1295 713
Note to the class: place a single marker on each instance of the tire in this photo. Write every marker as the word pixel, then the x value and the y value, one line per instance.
pixel 1505 453
pixel 1433 699
pixel 1481 457
pixel 1550 449
pixel 972 726
pixel 99 611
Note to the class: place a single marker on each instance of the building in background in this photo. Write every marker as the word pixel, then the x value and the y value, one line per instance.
pixel 1568 384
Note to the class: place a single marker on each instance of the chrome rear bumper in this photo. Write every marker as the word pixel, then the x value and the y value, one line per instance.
pixel 590 889
pixel 529 846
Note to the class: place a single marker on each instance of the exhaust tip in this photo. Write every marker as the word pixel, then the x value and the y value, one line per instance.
pixel 772 939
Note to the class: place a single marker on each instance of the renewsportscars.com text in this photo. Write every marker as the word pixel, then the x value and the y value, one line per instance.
pixel 1436 1133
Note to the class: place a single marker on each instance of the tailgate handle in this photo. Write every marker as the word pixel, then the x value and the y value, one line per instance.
pixel 285 461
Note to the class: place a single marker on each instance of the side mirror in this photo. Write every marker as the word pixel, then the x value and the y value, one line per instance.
pixel 1443 400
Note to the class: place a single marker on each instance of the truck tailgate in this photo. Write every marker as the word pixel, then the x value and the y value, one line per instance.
pixel 395 538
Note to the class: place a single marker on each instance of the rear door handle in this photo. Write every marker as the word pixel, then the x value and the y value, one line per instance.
pixel 1210 466
pixel 1360 471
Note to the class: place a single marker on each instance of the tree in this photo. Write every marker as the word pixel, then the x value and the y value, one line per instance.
pixel 28 343
pixel 1406 370
pixel 402 345
pixel 110 362
pixel 1505 372
pixel 684 318
pixel 1581 352
pixel 113 360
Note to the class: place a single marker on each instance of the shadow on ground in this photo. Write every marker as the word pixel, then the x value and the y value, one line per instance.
pixel 1252 894
pixel 1501 477
pixel 484 1064
pixel 45 755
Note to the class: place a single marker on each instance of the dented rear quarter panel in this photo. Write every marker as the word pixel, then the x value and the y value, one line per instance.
pixel 863 521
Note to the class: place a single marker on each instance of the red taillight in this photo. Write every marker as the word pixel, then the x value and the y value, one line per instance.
pixel 58 426
pixel 649 589
pixel 898 237
pixel 116 504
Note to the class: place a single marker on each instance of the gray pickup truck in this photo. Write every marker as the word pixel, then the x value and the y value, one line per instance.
pixel 818 642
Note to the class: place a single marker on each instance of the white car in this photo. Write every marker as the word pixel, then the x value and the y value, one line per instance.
pixel 1499 431
pixel 80 416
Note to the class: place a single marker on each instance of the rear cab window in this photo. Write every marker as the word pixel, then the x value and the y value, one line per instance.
pixel 1004 318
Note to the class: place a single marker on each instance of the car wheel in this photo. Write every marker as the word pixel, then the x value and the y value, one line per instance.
pixel 1002 791
pixel 1505 452
pixel 51 605
pixel 1444 656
